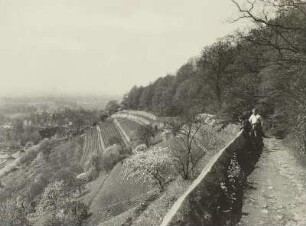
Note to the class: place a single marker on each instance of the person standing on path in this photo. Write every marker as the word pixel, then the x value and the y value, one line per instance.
pixel 256 122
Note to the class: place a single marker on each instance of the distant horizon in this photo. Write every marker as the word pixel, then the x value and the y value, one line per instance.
pixel 102 47
pixel 61 95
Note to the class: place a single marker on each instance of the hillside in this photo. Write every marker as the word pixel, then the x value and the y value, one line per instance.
pixel 150 211
pixel 116 200
pixel 51 160
pixel 109 196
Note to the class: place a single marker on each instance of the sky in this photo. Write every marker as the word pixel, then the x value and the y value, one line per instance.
pixel 102 47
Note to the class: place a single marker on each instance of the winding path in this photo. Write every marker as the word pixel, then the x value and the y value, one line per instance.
pixel 277 189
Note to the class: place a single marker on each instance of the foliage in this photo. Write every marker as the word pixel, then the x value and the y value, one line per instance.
pixel 103 116
pixel 74 213
pixel 57 207
pixel 126 151
pixel 146 133
pixel 71 183
pixel 46 147
pixel 282 35
pixel 155 166
pixel 36 188
pixel 112 106
pixel 11 213
pixel 232 186
pixel 140 148
pixel 53 198
pixel 262 68
pixel 111 157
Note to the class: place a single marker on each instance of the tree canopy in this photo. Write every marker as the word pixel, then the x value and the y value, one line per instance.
pixel 262 68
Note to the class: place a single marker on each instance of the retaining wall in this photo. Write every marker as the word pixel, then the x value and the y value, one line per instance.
pixel 134 118
pixel 205 202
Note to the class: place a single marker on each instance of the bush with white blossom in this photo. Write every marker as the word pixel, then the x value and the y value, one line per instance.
pixel 154 166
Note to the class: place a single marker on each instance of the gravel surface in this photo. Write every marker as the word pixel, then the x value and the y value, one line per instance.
pixel 276 193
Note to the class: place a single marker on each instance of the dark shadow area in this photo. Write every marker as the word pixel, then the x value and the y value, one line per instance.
pixel 242 164
pixel 218 199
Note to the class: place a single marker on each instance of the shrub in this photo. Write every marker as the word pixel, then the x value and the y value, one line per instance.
pixel 126 151
pixel 37 187
pixel 114 147
pixel 95 163
pixel 155 166
pixel 93 168
pixel 146 133
pixel 110 158
pixel 53 198
pixel 74 213
pixel 12 214
pixel 49 220
pixel 140 148
pixel 56 207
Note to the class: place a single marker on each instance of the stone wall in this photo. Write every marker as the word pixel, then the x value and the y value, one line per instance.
pixel 215 197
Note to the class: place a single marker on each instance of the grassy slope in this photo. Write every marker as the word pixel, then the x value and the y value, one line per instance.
pixel 155 212
pixel 130 127
pixel 112 200
pixel 65 155
pixel 108 131
pixel 115 196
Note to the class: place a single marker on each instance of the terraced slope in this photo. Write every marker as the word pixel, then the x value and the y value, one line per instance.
pixel 109 131
pixel 130 127
pixel 116 196
pixel 98 138
pixel 93 144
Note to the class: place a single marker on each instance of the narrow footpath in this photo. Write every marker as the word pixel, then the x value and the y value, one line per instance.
pixel 276 192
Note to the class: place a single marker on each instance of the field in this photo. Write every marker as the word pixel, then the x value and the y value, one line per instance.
pixel 109 131
pixel 116 196
pixel 130 127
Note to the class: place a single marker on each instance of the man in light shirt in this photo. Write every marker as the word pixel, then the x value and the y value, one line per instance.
pixel 256 122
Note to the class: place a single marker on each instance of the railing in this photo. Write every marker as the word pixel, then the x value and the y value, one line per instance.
pixel 199 203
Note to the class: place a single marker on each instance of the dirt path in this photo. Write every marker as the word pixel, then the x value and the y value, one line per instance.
pixel 277 191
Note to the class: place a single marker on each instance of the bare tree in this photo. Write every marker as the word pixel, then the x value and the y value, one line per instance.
pixel 283 23
pixel 185 147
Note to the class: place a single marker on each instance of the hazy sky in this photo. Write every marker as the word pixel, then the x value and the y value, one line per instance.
pixel 102 46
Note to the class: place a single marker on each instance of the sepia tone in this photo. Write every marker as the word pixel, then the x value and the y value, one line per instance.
pixel 152 112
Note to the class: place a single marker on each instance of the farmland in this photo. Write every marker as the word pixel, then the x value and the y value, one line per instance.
pixel 109 132
pixel 130 127
pixel 117 196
